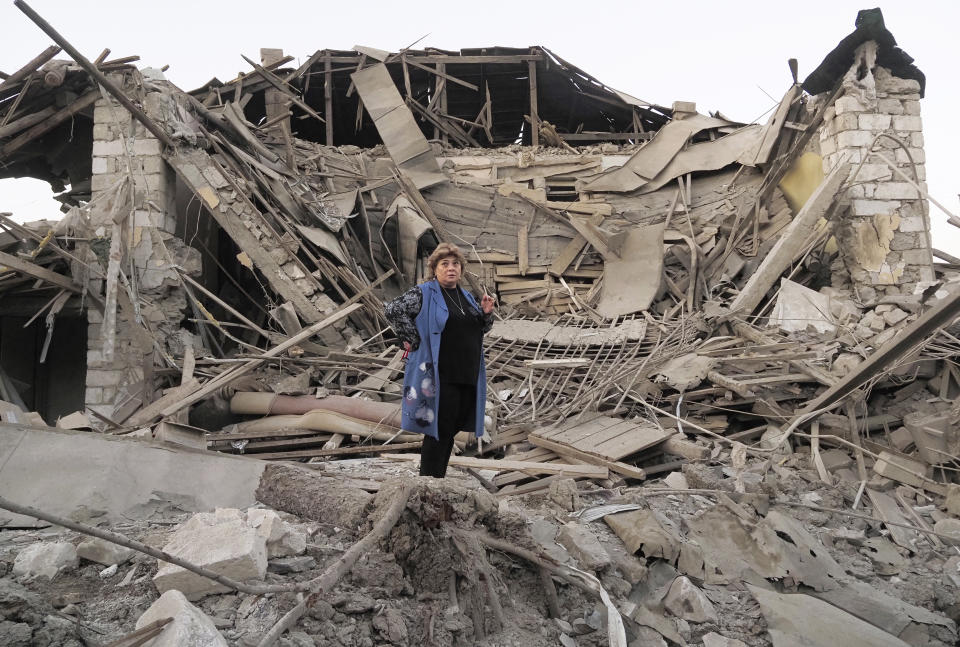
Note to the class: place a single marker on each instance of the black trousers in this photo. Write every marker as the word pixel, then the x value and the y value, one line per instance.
pixel 456 411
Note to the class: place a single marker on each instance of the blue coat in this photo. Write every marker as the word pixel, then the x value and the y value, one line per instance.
pixel 421 380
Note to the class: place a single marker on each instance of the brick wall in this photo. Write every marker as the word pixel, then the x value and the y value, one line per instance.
pixel 885 233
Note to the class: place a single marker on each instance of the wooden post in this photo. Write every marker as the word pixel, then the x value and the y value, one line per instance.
pixel 534 116
pixel 442 85
pixel 328 97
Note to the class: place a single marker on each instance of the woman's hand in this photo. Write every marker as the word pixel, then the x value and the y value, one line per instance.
pixel 486 304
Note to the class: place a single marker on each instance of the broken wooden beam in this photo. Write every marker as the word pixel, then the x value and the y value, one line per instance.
pixel 573 471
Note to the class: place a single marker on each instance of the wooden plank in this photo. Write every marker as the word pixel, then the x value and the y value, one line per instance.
pixel 630 471
pixel 37 272
pixel 568 432
pixel 534 111
pixel 567 256
pixel 49 124
pixel 343 451
pixel 29 68
pixel 152 411
pixel 328 99
pixel 586 471
pixel 888 509
pixel 523 249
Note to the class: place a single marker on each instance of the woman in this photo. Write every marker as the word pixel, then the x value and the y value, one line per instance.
pixel 445 383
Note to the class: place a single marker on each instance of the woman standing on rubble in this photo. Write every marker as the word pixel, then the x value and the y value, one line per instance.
pixel 442 327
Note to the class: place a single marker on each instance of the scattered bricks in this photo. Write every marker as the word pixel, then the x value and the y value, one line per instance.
pixel 873 122
pixel 854 139
pixel 873 207
pixel 45 559
pixel 835 459
pixel 676 481
pixel 685 600
pixel 214 177
pixel 894 316
pixel 896 191
pixel 221 542
pixel 565 494
pixel 583 546
pixel 293 270
pixel 848 103
pixel 892 106
pixel 103 552
pixel 190 625
pixel 907 123
pixel 896 468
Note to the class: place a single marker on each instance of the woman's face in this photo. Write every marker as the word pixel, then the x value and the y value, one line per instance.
pixel 448 271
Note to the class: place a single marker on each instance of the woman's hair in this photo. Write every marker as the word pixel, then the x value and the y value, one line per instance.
pixel 444 250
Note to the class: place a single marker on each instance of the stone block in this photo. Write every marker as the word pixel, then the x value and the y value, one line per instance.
pixel 844 122
pixel 917 256
pixel 565 494
pixel 152 164
pixel 896 191
pixel 283 539
pixel 111 115
pixel 676 481
pixel 916 140
pixel 828 145
pixel 912 224
pixel 891 106
pixel 93 395
pixel 953 499
pixel 146 146
pixel 873 207
pixel 950 528
pixel 105 148
pixel 103 377
pixel 874 121
pixel 103 181
pixel 895 315
pixel 714 639
pixel 103 552
pixel 190 626
pixel 583 546
pixel 896 85
pixel 684 600
pixel 221 542
pixel 870 172
pixel 854 139
pixel 903 241
pixel 101 165
pixel 46 560
pixel 848 103
pixel 907 123
pixel 911 107
pixel 917 154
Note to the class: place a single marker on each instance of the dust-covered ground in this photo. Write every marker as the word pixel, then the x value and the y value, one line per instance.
pixel 431 582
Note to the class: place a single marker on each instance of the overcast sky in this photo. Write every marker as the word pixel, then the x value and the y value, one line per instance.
pixel 728 56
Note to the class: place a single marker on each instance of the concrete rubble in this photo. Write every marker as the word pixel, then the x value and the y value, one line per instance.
pixel 723 390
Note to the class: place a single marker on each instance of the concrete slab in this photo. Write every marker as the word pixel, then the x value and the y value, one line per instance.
pixel 75 473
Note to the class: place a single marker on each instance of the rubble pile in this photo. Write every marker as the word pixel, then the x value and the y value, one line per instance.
pixel 723 396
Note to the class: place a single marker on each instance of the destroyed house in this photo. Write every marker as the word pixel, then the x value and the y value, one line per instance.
pixel 681 296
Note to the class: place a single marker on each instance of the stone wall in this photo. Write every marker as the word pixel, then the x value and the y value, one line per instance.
pixel 885 233
pixel 146 219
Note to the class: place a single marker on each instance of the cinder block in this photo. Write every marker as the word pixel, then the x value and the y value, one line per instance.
pixel 103 132
pixel 874 207
pixel 907 123
pixel 854 139
pixel 870 172
pixel 895 191
pixel 104 149
pixel 917 257
pixel 874 122
pixel 848 103
pixel 103 377
pixel 93 395
pixel 146 146
pixel 891 106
